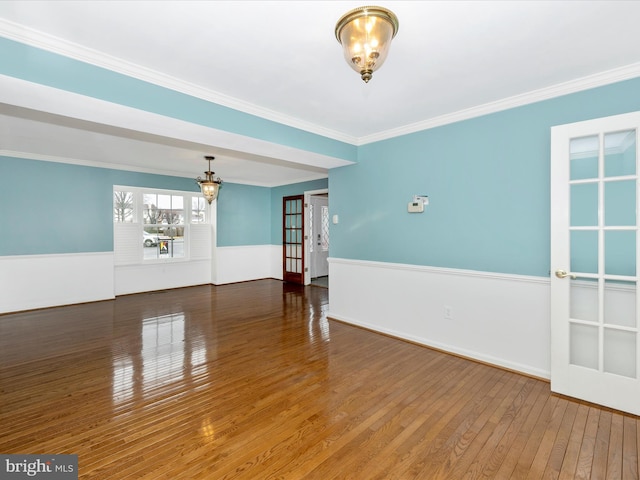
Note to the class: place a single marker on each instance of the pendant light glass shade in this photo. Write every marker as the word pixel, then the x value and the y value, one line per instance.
pixel 365 34
pixel 209 186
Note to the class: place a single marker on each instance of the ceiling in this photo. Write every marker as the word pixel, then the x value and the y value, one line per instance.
pixel 280 60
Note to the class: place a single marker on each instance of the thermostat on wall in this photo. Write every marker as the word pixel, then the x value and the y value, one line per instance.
pixel 415 207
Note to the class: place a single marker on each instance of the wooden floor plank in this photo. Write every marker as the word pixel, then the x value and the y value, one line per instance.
pixel 601 449
pixel 630 469
pixel 561 442
pixel 515 449
pixel 570 462
pixel 253 381
pixel 585 458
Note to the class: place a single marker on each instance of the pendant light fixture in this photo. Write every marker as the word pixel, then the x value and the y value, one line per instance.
pixel 365 34
pixel 210 186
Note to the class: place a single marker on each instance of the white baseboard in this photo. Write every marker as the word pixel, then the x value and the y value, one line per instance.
pixel 28 282
pixel 494 318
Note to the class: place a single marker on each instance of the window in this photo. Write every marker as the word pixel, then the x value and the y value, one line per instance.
pixel 163 217
pixel 159 225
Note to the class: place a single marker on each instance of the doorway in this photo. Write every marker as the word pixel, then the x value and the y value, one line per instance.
pixel 317 237
pixel 319 240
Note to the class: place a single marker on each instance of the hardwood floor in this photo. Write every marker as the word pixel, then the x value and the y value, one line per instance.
pixel 251 381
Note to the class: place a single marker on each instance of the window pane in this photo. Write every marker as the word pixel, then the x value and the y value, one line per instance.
pixel 164 202
pixel 584 157
pixel 175 217
pixel 620 303
pixel 620 203
pixel 620 252
pixel 620 153
pixel 150 243
pixel 583 345
pixel 584 300
pixel 584 204
pixel 151 214
pixel 325 228
pixel 122 207
pixel 620 352
pixel 177 202
pixel 198 211
pixel 584 251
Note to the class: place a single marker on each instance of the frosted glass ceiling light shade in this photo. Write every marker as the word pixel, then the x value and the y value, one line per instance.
pixel 365 34
pixel 210 186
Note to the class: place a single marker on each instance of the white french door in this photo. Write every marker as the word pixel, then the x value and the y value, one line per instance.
pixel 595 250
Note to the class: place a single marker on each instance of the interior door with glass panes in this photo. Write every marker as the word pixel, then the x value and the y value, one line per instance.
pixel 293 239
pixel 594 261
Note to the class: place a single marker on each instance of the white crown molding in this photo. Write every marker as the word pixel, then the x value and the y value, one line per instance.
pixel 35 38
pixel 597 80
pixel 54 44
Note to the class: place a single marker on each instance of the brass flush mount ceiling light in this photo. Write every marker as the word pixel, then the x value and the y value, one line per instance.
pixel 210 186
pixel 365 34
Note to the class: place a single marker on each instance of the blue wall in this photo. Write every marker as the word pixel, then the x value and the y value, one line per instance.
pixel 487 178
pixel 488 183
pixel 51 208
pixel 40 66
pixel 244 215
pixel 77 215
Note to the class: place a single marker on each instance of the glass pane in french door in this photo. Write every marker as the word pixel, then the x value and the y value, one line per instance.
pixel 620 153
pixel 620 352
pixel 620 303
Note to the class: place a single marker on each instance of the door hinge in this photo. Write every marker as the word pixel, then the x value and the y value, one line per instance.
pixel 306 269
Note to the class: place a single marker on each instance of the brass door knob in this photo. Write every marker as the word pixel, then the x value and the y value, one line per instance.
pixel 564 274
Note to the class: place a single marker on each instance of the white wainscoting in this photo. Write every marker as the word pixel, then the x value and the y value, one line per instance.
pixel 250 262
pixel 161 276
pixel 495 318
pixel 37 281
